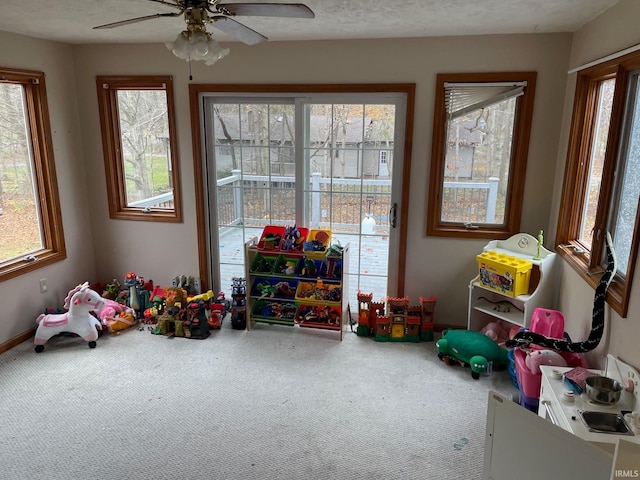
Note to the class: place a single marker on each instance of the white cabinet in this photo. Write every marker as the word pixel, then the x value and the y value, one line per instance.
pixel 487 305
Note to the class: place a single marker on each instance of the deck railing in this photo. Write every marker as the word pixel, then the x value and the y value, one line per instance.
pixel 470 202
pixel 241 199
pixel 164 200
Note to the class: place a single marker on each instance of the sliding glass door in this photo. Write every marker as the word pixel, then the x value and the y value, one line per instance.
pixel 319 161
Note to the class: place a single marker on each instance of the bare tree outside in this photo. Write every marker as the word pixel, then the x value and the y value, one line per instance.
pixel 344 141
pixel 479 148
pixel 144 127
pixel 19 215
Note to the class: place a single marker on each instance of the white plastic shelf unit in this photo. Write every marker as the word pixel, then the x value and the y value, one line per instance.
pixel 254 299
pixel 486 305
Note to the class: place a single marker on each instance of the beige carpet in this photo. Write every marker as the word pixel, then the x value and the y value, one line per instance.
pixel 274 403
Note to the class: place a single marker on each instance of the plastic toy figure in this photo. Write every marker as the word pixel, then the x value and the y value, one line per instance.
pixel 540 241
pixel 138 296
pixel 292 239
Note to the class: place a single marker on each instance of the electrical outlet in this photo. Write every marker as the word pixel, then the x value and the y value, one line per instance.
pixel 43 285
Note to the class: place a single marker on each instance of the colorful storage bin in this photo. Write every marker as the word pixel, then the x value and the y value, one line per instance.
pixel 317 243
pixel 273 311
pixel 263 264
pixel 266 288
pixel 319 292
pixel 332 268
pixel 286 265
pixel 307 267
pixel 293 239
pixel 271 238
pixel 504 273
pixel 319 316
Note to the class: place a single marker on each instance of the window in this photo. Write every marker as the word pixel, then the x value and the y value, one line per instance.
pixel 601 186
pixel 479 153
pixel 140 148
pixel 30 219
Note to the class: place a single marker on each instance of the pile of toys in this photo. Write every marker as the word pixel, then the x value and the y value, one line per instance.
pixel 177 310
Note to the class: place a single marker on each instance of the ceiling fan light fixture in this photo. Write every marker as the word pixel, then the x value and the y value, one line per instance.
pixel 197 45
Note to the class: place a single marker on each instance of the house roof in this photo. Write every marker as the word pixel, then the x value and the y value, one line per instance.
pixel 355 131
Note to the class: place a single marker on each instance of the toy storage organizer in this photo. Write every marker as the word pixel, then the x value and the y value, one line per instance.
pixel 305 285
pixel 528 284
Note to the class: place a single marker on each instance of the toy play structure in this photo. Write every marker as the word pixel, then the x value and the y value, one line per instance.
pixel 400 323
pixel 190 316
pixel 80 302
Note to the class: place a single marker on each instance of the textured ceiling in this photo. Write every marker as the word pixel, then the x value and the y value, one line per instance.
pixel 71 21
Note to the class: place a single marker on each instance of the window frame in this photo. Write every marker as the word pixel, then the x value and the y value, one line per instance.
pixel 44 176
pixel 517 167
pixel 107 88
pixel 590 264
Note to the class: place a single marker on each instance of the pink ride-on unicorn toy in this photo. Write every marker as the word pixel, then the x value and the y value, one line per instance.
pixel 80 302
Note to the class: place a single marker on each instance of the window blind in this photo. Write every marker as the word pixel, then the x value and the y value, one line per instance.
pixel 462 98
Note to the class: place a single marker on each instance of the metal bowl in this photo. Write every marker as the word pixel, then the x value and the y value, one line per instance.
pixel 603 389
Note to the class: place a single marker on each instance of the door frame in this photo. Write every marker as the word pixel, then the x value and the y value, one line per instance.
pixel 198 91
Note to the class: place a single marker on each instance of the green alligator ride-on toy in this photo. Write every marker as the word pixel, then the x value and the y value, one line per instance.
pixel 472 349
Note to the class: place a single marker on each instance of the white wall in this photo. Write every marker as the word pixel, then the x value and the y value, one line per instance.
pixel 20 297
pixel 614 30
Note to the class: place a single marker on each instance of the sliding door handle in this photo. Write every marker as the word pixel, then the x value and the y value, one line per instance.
pixel 392 215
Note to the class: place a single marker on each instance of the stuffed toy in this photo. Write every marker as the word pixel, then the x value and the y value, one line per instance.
pixel 116 316
pixel 80 302
pixel 535 358
pixel 496 331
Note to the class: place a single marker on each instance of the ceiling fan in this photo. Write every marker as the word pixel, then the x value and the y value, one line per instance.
pixel 195 43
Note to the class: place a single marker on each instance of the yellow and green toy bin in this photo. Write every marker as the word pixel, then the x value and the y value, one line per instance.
pixel 504 273
pixel 317 244
pixel 286 265
pixel 274 288
pixel 274 311
pixel 263 264
pixel 319 293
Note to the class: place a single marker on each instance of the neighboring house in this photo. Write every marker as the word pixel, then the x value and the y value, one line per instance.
pixel 464 138
pixel 350 150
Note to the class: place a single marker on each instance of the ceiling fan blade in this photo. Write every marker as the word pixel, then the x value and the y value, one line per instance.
pixel 164 2
pixel 238 30
pixel 291 10
pixel 136 20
